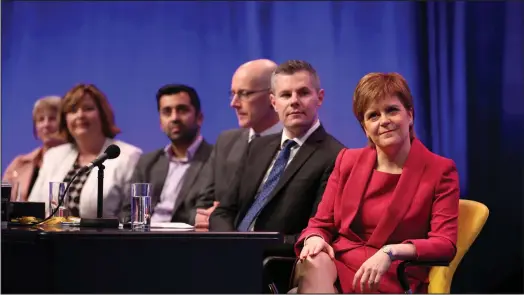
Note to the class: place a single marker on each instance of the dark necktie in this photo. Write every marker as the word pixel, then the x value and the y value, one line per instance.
pixel 269 185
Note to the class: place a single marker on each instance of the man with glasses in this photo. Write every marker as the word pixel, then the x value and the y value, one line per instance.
pixel 249 96
pixel 282 179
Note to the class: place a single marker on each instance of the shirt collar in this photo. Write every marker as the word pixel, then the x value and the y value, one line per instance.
pixel 277 128
pixel 191 150
pixel 301 140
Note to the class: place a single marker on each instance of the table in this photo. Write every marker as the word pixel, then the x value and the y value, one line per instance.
pixel 82 260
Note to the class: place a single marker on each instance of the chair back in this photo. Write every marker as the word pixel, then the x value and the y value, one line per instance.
pixel 471 220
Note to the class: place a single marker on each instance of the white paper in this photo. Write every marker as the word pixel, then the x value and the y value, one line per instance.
pixel 156 229
pixel 173 225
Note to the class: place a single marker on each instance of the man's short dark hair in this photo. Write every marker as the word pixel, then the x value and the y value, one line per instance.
pixel 171 89
pixel 291 67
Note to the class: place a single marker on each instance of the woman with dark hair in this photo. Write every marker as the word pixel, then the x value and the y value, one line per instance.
pixel 391 201
pixel 87 121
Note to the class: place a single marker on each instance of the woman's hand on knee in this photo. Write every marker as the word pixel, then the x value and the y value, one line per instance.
pixel 371 271
pixel 314 245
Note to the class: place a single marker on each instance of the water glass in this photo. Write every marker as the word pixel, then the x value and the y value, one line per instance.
pixel 56 191
pixel 6 201
pixel 14 190
pixel 6 190
pixel 140 205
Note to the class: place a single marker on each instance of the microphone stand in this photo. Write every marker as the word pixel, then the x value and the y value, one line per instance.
pixel 100 192
pixel 99 221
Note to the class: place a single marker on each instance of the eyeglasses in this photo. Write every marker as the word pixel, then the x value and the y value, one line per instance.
pixel 244 94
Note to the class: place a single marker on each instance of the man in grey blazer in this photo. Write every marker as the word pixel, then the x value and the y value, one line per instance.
pixel 175 170
pixel 250 89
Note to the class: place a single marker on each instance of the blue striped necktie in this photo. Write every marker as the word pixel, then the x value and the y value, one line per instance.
pixel 270 184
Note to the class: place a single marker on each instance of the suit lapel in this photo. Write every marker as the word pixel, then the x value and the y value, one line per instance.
pixel 259 160
pixel 356 185
pixel 66 162
pixel 25 171
pixel 403 195
pixel 304 153
pixel 157 176
pixel 238 147
pixel 191 175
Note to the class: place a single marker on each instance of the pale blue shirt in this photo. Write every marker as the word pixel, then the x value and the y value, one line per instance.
pixel 163 211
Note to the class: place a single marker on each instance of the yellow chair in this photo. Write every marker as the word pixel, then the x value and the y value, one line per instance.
pixel 471 220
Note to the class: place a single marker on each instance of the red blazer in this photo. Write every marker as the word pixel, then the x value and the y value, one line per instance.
pixel 423 211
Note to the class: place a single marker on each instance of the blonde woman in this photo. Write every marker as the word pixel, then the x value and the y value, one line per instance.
pixel 24 169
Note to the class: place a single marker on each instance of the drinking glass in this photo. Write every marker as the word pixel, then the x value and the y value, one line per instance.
pixel 140 205
pixel 6 201
pixel 56 191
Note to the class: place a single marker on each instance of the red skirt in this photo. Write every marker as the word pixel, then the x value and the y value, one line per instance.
pixel 347 266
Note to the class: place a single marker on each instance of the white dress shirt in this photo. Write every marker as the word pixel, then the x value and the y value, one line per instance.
pixel 299 140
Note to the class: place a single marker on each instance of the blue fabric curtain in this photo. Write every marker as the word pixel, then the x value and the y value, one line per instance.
pixel 474 111
pixel 495 100
pixel 446 87
pixel 463 61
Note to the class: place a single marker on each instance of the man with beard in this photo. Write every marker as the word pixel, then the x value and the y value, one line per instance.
pixel 174 171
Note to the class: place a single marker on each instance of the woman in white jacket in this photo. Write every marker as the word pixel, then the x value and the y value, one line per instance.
pixel 87 121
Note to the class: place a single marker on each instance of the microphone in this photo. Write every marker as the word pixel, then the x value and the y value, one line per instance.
pixel 111 152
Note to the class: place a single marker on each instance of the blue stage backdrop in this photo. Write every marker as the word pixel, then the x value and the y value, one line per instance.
pixel 463 61
pixel 129 49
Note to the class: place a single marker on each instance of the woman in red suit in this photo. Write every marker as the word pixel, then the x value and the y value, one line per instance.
pixel 391 201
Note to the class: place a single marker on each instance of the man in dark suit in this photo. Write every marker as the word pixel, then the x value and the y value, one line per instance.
pixel 174 171
pixel 282 177
pixel 250 87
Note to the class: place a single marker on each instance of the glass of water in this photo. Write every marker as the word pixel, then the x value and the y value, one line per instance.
pixel 140 205
pixel 14 190
pixel 56 191
pixel 6 201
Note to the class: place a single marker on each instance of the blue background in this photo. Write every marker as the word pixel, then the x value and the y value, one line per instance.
pixel 464 63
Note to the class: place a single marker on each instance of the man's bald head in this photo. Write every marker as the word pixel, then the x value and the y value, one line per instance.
pixel 250 89
pixel 259 71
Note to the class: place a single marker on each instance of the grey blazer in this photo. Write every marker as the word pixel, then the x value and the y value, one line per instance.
pixel 153 167
pixel 220 169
